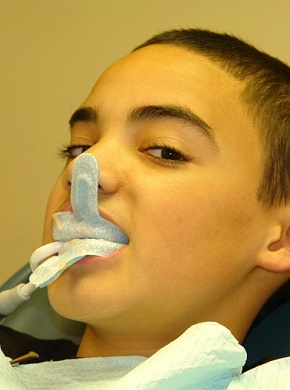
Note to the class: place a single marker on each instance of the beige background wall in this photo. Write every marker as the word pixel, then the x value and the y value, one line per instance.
pixel 52 52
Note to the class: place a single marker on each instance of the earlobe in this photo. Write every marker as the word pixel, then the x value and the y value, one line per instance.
pixel 276 256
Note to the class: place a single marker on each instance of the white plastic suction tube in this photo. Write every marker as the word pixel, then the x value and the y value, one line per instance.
pixel 11 299
pixel 43 252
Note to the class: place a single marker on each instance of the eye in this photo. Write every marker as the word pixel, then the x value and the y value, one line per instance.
pixel 73 151
pixel 168 154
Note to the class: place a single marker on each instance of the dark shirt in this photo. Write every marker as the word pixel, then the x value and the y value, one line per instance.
pixel 15 344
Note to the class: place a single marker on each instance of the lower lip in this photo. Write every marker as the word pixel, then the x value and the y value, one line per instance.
pixel 95 260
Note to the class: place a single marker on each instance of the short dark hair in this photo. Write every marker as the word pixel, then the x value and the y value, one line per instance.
pixel 266 95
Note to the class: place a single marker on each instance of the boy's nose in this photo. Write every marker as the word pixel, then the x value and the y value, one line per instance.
pixel 108 177
pixel 84 221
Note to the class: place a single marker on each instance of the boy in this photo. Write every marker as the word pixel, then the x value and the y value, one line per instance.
pixel 191 133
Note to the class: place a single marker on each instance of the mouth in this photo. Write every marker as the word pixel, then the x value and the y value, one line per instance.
pixel 84 251
pixel 84 242
pixel 66 227
pixel 67 208
pixel 94 260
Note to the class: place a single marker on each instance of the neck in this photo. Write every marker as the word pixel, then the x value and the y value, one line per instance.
pixel 96 343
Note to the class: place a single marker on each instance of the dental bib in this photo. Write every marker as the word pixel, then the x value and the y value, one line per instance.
pixel 83 231
pixel 206 356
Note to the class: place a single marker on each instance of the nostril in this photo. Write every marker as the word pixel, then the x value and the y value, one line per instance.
pixel 66 176
pixel 67 184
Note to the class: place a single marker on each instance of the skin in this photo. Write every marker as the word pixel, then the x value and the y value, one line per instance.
pixel 190 222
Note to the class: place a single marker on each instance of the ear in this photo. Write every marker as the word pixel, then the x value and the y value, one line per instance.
pixel 275 256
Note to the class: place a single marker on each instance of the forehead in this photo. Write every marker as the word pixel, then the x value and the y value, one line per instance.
pixel 158 70
pixel 166 74
pixel 168 60
pixel 171 75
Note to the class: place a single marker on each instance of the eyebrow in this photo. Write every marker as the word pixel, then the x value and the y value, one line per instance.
pixel 180 113
pixel 83 114
pixel 152 112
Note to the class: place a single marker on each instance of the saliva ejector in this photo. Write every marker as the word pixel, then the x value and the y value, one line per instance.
pixel 14 297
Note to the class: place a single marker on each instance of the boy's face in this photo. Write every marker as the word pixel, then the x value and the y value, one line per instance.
pixel 184 194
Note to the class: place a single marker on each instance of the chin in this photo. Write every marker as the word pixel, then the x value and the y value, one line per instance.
pixel 76 303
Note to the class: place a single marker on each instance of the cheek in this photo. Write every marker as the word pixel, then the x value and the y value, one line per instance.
pixel 203 238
